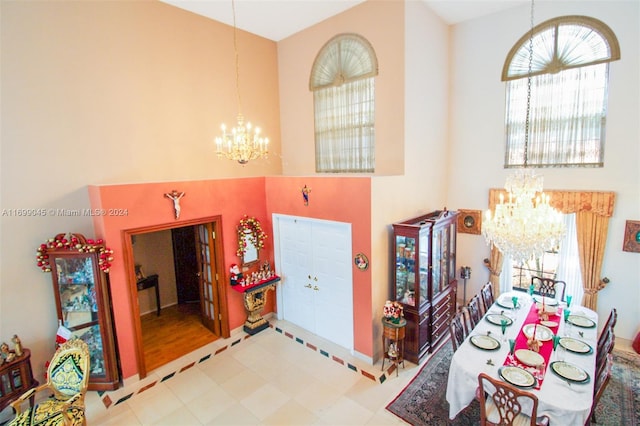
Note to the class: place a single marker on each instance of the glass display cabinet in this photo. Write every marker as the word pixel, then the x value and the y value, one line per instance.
pixel 424 253
pixel 83 302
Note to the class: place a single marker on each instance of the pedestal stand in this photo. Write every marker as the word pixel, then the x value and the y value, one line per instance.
pixel 393 342
pixel 255 297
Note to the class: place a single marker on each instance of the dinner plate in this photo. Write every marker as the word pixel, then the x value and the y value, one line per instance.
pixel 548 301
pixel 506 302
pixel 484 342
pixel 530 358
pixel 517 376
pixel 497 319
pixel 542 333
pixel 575 345
pixel 581 321
pixel 549 323
pixel 570 372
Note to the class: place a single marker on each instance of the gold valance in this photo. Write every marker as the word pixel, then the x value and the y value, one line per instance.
pixel 599 203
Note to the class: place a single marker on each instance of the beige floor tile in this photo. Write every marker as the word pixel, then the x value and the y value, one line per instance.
pixel 236 415
pixel 264 401
pixel 154 404
pixel 242 383
pixel 122 418
pixel 210 404
pixel 179 417
pixel 317 397
pixel 189 384
pixel 291 414
pixel 346 412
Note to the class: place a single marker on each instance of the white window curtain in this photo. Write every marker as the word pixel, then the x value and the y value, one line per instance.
pixel 567 123
pixel 569 261
pixel 344 127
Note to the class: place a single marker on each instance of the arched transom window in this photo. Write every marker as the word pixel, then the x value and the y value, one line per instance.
pixel 569 85
pixel 342 81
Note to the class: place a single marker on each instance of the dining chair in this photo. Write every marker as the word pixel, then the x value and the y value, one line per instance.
pixel 473 308
pixel 607 329
pixel 458 329
pixel 549 287
pixel 602 380
pixel 487 296
pixel 503 406
pixel 606 349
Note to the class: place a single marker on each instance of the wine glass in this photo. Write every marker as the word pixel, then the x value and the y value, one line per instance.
pixel 503 327
pixel 569 297
pixel 567 324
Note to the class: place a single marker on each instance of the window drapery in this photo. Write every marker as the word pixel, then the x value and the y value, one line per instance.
pixel 593 210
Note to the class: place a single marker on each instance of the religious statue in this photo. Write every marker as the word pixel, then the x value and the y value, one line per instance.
pixel 175 196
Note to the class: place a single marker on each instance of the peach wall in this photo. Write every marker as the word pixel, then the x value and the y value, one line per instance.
pixel 382 23
pixel 146 206
pixel 343 200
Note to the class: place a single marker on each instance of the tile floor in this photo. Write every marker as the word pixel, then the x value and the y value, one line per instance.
pixel 280 376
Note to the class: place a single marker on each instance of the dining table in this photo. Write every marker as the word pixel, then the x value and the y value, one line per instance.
pixel 560 372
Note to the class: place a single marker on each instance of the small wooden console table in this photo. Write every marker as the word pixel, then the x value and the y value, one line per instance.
pixel 148 282
pixel 16 378
pixel 255 297
pixel 393 342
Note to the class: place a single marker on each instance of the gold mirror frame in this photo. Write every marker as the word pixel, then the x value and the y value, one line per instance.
pixel 250 240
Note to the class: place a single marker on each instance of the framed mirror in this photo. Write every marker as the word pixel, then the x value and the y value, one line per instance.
pixel 250 240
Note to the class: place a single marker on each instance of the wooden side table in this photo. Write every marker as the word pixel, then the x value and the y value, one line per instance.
pixel 393 342
pixel 148 282
pixel 16 378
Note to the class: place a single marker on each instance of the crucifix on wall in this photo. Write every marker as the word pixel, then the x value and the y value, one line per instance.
pixel 175 196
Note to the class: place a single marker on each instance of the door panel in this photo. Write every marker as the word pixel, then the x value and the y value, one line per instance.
pixel 186 266
pixel 295 237
pixel 317 290
pixel 209 300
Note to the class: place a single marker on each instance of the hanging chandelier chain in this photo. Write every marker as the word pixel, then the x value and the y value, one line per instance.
pixel 528 116
pixel 237 58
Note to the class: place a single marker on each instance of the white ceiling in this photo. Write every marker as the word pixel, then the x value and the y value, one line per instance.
pixel 278 19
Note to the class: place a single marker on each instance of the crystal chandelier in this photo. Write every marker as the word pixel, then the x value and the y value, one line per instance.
pixel 243 143
pixel 524 225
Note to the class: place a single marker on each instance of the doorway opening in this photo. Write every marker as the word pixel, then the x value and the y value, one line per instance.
pixel 184 306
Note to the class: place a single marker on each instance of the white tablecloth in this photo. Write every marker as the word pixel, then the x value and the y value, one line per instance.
pixel 562 403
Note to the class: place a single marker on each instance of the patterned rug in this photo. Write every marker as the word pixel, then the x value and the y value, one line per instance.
pixel 423 401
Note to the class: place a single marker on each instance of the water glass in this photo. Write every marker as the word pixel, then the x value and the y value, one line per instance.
pixel 569 297
pixel 512 346
pixel 567 324
pixel 503 327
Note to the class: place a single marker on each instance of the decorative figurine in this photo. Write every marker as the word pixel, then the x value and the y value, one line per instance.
pixel 236 276
pixel 6 354
pixel 175 196
pixel 305 194
pixel 17 348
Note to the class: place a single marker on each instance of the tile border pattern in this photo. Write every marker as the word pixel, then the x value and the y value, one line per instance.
pixel 113 398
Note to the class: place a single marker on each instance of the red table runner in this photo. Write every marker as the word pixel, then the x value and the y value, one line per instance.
pixel 546 348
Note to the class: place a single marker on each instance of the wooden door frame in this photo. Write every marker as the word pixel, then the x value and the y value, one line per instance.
pixel 129 265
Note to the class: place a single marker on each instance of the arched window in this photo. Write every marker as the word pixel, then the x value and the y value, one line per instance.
pixel 342 81
pixel 569 85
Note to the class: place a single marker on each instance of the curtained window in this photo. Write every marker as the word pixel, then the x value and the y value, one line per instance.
pixel 342 81
pixel 568 103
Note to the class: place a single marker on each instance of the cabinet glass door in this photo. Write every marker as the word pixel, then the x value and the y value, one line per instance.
pixel 405 270
pixel 79 305
pixel 424 265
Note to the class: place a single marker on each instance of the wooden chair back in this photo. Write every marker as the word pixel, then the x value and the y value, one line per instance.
pixel 500 403
pixel 602 380
pixel 473 307
pixel 486 292
pixel 549 287
pixel 458 329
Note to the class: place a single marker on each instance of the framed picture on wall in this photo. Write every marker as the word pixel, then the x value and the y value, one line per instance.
pixel 469 221
pixel 632 236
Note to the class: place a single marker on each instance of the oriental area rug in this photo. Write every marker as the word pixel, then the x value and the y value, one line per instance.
pixel 423 401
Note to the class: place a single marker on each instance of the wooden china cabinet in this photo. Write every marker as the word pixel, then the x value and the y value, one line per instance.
pixel 81 289
pixel 425 278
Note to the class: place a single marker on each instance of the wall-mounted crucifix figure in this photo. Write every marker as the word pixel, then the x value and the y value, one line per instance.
pixel 175 196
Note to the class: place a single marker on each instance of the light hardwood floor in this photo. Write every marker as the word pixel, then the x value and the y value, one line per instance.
pixel 176 332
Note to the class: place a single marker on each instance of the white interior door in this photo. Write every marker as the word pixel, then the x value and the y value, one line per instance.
pixel 316 291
